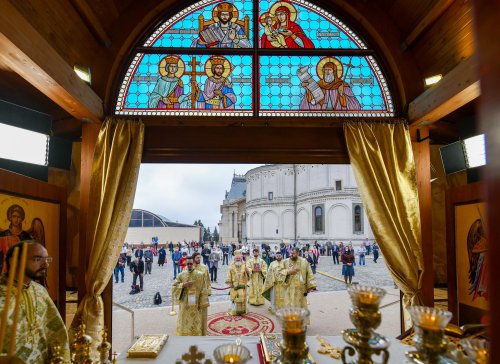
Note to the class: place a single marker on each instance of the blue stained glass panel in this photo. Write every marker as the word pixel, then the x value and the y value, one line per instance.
pixel 318 84
pixel 212 24
pixel 172 84
pixel 300 24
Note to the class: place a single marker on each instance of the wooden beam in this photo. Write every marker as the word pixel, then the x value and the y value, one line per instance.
pixel 28 54
pixel 487 20
pixel 92 22
pixel 436 11
pixel 457 88
pixel 421 153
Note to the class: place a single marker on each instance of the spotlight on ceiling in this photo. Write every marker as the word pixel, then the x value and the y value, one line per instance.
pixel 429 81
pixel 83 72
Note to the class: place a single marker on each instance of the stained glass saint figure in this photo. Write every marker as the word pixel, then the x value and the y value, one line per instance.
pixel 218 91
pixel 223 31
pixel 169 89
pixel 331 92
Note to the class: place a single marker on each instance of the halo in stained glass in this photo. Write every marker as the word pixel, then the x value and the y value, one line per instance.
pixel 323 86
pixel 171 84
pixel 207 24
pixel 300 24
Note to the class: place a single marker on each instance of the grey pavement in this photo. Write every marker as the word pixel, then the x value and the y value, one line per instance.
pixel 375 274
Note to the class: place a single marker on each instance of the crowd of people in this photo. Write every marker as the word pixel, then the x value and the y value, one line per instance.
pixel 283 274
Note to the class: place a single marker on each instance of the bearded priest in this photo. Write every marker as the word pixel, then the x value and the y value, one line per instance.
pixel 258 269
pixel 237 279
pixel 274 285
pixel 190 290
pixel 299 280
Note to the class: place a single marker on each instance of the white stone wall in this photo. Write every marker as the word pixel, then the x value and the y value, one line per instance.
pixel 273 220
pixel 164 234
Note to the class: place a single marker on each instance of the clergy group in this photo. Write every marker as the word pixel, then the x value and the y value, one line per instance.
pixel 284 283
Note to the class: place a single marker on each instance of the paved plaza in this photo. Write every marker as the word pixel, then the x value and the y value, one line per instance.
pixel 375 274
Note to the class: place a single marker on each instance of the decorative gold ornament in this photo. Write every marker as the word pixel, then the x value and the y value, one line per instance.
pixel 328 349
pixel 193 356
pixel 366 317
pixel 80 348
pixel 104 348
pixel 55 354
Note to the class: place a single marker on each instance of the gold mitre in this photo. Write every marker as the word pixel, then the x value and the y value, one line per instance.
pixel 225 7
pixel 217 60
pixel 171 60
pixel 237 253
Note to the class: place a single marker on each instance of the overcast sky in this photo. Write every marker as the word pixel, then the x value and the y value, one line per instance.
pixel 186 192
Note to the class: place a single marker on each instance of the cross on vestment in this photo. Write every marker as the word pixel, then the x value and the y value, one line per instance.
pixel 192 74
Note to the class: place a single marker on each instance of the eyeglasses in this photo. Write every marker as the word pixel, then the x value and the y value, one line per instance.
pixel 38 259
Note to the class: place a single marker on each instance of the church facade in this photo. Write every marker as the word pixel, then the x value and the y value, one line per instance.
pixel 287 202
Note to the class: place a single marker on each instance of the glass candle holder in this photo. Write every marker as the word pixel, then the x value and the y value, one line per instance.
pixel 366 317
pixel 429 340
pixel 294 328
pixel 478 350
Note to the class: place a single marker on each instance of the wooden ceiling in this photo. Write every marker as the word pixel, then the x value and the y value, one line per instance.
pixel 41 42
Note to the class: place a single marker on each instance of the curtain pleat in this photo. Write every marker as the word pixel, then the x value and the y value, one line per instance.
pixel 115 170
pixel 382 160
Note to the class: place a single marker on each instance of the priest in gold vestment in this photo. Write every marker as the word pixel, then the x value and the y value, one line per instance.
pixel 299 280
pixel 40 325
pixel 258 269
pixel 274 285
pixel 237 279
pixel 189 289
pixel 202 268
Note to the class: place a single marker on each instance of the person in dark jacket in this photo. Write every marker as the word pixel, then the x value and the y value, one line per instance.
pixel 313 261
pixel 348 259
pixel 137 269
pixel 162 255
pixel 148 258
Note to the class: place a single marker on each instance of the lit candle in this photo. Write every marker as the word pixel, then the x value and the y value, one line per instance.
pixel 429 322
pixel 20 282
pixel 367 298
pixel 231 359
pixel 293 324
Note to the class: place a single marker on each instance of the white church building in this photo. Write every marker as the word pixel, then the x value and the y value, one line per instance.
pixel 285 202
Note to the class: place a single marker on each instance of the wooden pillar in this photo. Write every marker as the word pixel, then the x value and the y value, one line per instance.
pixel 486 20
pixel 422 155
pixel 90 131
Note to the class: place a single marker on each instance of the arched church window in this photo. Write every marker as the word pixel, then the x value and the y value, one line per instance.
pixel 254 58
pixel 318 219
pixel 358 219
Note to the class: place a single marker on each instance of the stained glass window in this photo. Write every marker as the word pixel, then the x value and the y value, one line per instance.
pixel 177 70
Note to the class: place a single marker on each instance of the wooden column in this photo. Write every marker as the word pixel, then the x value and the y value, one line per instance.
pixel 422 155
pixel 486 19
pixel 90 132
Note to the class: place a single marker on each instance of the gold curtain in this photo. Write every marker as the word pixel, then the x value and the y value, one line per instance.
pixel 115 169
pixel 382 159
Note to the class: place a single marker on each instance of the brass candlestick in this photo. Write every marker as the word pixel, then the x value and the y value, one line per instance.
pixel 294 349
pixel 366 317
pixel 478 350
pixel 429 340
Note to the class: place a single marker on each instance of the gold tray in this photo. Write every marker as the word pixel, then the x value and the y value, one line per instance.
pixel 147 346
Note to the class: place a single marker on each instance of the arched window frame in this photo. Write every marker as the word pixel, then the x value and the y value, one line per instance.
pixel 318 219
pixel 144 47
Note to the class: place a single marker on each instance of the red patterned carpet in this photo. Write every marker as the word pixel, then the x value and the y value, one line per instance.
pixel 251 324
